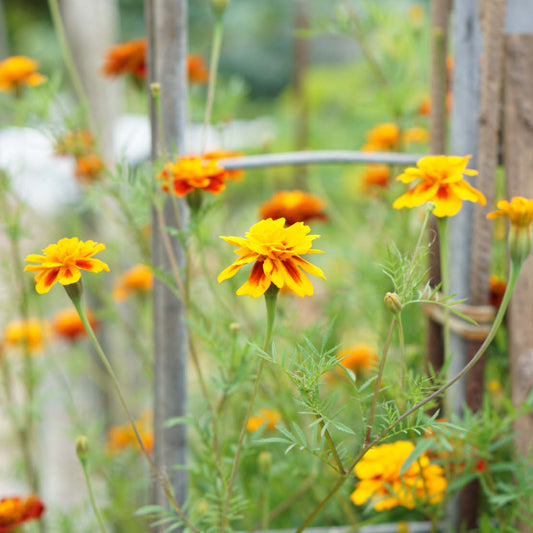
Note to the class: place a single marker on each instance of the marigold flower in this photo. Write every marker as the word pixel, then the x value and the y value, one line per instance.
pixel 63 261
pixel 377 175
pixel 416 135
pixel 75 142
pixel 67 323
pixel 234 174
pixel 293 206
pixel 190 173
pixel 382 137
pixel 127 58
pixel 382 485
pixel 494 386
pixel 88 167
pixel 19 71
pixel 276 251
pixel 359 358
pixel 197 69
pixel 441 183
pixel 25 333
pixel 265 416
pixel 137 279
pixel 120 438
pixel 16 511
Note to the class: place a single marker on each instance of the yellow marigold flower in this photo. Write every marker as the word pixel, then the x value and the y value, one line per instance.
pixel 16 511
pixel 67 324
pixel 127 58
pixel 137 279
pixel 416 135
pixel 21 333
pixel 17 71
pixel 359 358
pixel 88 168
pixel 382 485
pixel 519 211
pixel 382 137
pixel 265 416
pixel 234 174
pixel 293 206
pixel 494 386
pixel 377 175
pixel 190 173
pixel 276 251
pixel 120 438
pixel 441 183
pixel 63 261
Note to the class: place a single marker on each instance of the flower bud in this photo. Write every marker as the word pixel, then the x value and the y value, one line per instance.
pixel 519 243
pixel 234 327
pixel 264 462
pixel 82 448
pixel 392 301
pixel 219 6
pixel 155 89
pixel 74 291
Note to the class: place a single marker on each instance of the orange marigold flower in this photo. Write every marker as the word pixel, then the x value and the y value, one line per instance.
pixel 120 438
pixel 384 487
pixel 293 206
pixel 382 137
pixel 75 142
pixel 137 279
pixel 441 183
pixel 127 58
pixel 63 261
pixel 359 358
pixel 16 511
pixel 276 251
pixel 190 173
pixel 22 333
pixel 497 288
pixel 265 416
pixel 88 167
pixel 234 174
pixel 197 69
pixel 377 175
pixel 67 323
pixel 19 71
pixel 416 135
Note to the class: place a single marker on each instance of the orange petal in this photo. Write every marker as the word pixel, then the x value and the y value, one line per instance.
pixel 257 283
pixel 46 279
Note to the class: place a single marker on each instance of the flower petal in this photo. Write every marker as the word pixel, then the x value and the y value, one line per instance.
pixel 46 279
pixel 257 283
pixel 68 275
pixel 447 202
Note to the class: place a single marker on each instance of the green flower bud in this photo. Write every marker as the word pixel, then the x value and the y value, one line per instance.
pixel 82 448
pixel 264 462
pixel 392 301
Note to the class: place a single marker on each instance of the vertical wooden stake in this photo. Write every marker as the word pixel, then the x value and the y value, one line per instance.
pixel 167 43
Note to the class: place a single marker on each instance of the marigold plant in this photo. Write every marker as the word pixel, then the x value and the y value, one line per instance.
pixel 376 176
pixel 441 182
pixel 293 206
pixel 382 137
pixel 127 58
pixel 383 485
pixel 75 142
pixel 276 251
pixel 68 325
pixel 138 278
pixel 64 261
pixel 120 438
pixel 17 72
pixel 88 168
pixel 16 511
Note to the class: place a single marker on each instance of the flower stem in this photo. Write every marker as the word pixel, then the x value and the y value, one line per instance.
pixel 213 68
pixel 271 296
pixel 91 496
pixel 76 300
pixel 331 445
pixel 442 224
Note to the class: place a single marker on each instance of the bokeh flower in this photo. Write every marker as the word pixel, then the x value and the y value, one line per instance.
pixel 120 438
pixel 382 137
pixel 381 484
pixel 359 358
pixel 68 325
pixel 17 72
pixel 233 174
pixel 293 206
pixel 138 278
pixel 197 69
pixel 127 58
pixel 75 142
pixel 63 262
pixel 415 135
pixel 267 417
pixel 89 168
pixel 16 511
pixel 23 334
pixel 497 288
pixel 190 173
pixel 376 175
pixel 276 251
pixel 441 183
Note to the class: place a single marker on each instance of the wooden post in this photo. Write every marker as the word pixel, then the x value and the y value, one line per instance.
pixel 166 22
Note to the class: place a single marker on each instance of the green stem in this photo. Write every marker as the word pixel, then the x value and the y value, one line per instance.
pixel 91 496
pixel 442 224
pixel 67 57
pixel 379 378
pixel 331 445
pixel 513 278
pixel 76 300
pixel 213 68
pixel 271 296
pixel 401 338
